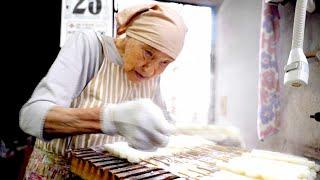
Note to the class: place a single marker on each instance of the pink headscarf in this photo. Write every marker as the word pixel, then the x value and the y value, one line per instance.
pixel 154 24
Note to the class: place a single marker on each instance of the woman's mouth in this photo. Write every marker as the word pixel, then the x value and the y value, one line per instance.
pixel 139 76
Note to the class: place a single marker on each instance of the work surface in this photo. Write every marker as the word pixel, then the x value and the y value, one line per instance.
pixel 205 162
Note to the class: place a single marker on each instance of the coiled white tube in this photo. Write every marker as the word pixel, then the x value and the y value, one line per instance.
pixel 297 68
pixel 299 23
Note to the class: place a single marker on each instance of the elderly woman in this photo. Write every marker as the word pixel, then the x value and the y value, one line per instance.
pixel 99 88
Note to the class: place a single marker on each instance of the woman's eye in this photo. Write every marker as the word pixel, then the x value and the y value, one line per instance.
pixel 165 62
pixel 147 53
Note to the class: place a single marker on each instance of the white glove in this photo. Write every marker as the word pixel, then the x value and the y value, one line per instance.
pixel 141 122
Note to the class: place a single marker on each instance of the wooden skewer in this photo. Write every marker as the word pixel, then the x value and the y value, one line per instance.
pixel 157 165
pixel 202 171
pixel 148 162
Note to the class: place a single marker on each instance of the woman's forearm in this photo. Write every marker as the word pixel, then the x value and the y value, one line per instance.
pixel 62 121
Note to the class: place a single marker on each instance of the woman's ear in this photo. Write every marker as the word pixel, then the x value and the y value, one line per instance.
pixel 121 43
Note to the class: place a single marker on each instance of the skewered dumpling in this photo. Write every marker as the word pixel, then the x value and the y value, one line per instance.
pixel 177 144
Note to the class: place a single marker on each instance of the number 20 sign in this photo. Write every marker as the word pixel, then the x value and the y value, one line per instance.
pixel 94 7
pixel 77 15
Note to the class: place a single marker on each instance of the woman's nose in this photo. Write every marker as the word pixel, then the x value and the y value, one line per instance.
pixel 148 69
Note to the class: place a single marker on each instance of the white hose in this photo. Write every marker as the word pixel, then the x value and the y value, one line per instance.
pixel 299 23
pixel 297 69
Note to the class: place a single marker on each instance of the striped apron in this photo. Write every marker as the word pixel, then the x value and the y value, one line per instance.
pixel 49 159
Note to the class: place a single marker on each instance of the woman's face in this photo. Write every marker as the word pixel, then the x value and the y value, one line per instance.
pixel 142 62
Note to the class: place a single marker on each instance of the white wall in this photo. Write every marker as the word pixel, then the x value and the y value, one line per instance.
pixel 237 65
pixel 237 77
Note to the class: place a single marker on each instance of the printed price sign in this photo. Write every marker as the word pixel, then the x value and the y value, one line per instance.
pixel 85 14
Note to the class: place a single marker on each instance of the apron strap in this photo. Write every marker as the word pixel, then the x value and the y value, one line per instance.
pixel 69 148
